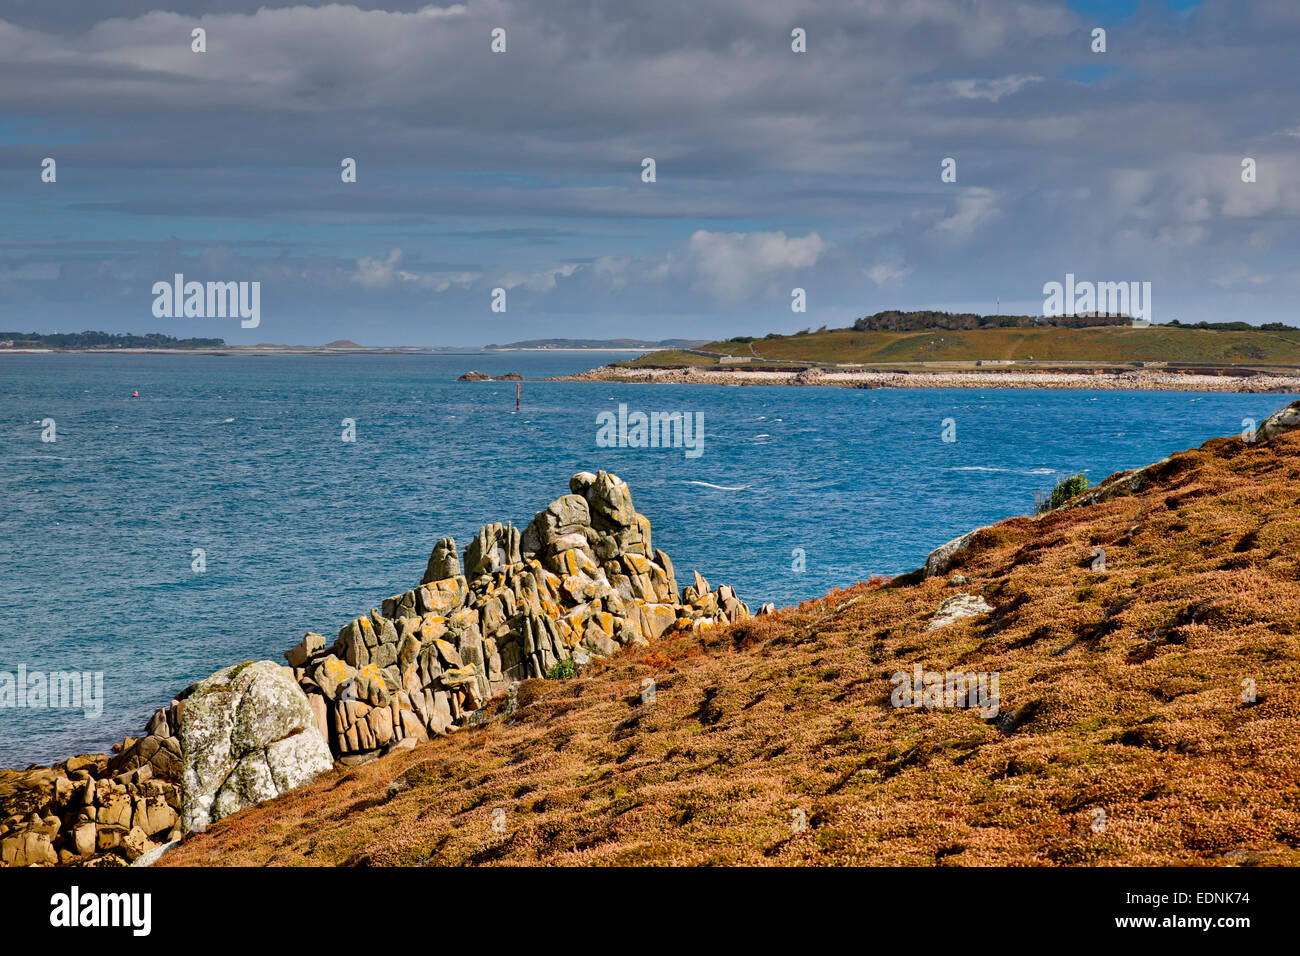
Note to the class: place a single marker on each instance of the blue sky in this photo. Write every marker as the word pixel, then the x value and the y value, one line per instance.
pixel 522 170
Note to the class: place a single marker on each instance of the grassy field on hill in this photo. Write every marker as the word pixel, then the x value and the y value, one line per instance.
pixel 1102 345
pixel 1124 735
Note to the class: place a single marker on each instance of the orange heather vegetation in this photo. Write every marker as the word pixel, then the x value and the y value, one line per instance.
pixel 1121 692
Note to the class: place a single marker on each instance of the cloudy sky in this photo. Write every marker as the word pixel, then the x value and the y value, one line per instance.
pixel 522 170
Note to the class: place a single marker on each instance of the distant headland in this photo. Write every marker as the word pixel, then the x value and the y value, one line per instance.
pixel 953 350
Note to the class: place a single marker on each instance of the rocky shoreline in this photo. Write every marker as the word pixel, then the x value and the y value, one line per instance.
pixel 581 580
pixel 1134 380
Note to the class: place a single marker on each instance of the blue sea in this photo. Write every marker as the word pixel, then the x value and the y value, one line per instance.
pixel 241 458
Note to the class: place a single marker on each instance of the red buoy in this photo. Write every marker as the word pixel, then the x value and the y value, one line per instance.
pixel 135 394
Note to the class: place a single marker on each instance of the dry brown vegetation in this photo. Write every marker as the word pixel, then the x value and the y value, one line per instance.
pixel 1121 690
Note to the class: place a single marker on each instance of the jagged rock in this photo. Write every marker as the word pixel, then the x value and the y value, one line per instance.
pixel 564 516
pixel 442 597
pixel 957 607
pixel 330 673
pixel 475 376
pixel 657 620
pixel 610 501
pixel 161 756
pixel 582 578
pixel 28 849
pixel 444 562
pixel 310 645
pixel 355 640
pixel 84 839
pixel 135 843
pixel 94 763
pixel 247 735
pixel 581 482
pixel 493 549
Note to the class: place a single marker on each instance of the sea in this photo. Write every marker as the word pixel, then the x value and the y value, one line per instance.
pixel 242 500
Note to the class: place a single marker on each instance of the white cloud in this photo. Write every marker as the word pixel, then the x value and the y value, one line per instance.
pixel 541 281
pixel 732 265
pixel 883 274
pixel 459 280
pixel 992 90
pixel 975 207
pixel 382 273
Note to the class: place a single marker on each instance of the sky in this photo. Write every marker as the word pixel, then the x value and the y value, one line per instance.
pixel 522 170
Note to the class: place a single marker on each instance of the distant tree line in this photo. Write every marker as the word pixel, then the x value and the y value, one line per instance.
pixel 895 321
pixel 1233 326
pixel 926 321
pixel 102 340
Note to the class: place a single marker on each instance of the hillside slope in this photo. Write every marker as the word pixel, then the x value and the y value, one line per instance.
pixel 1101 345
pixel 1124 734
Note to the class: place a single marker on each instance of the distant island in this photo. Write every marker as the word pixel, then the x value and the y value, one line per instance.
pixel 156 341
pixel 601 344
pixel 91 341
pixel 929 349
pixel 891 339
pixel 102 340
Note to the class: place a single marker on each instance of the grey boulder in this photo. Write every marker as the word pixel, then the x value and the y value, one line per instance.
pixel 247 735
pixel 957 607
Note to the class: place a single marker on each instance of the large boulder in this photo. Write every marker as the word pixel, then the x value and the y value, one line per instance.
pixel 247 735
pixel 1283 420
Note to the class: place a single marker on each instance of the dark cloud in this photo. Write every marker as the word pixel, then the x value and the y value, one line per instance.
pixel 523 169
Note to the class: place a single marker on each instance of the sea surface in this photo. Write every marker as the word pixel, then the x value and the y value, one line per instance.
pixel 798 490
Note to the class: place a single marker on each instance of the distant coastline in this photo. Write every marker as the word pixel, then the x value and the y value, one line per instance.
pixel 157 343
pixel 309 350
